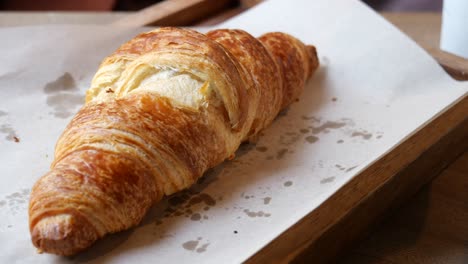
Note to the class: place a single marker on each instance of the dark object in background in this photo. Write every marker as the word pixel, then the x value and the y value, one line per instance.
pixel 58 5
pixel 133 5
pixel 76 5
pixel 405 5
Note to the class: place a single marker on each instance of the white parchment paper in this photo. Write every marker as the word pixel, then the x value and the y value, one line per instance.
pixel 374 88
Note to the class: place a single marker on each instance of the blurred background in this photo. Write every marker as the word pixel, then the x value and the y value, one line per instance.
pixel 132 5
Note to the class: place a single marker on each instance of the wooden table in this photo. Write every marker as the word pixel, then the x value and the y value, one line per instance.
pixel 429 227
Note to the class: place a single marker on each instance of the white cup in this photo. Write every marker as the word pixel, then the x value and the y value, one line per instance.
pixel 454 34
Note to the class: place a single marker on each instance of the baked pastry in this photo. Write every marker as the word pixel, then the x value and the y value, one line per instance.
pixel 161 110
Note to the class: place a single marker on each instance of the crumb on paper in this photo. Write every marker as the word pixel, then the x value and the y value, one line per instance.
pixel 16 139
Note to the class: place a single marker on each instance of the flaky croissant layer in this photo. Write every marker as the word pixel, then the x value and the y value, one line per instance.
pixel 165 107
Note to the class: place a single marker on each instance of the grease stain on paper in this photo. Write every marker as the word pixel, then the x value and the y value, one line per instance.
pixel 8 130
pixel 193 245
pixel 191 203
pixel 363 134
pixel 311 139
pixel 327 126
pixel 312 118
pixel 17 201
pixel 342 168
pixel 195 217
pixel 351 168
pixel 247 196
pixel 10 133
pixel 62 83
pixel 63 95
pixel 280 154
pixel 203 248
pixel 289 138
pixel 190 245
pixel 379 135
pixel 256 214
pixel 327 180
pixel 186 203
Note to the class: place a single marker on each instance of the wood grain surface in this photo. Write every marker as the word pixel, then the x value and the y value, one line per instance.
pixel 174 13
pixel 384 204
pixel 431 227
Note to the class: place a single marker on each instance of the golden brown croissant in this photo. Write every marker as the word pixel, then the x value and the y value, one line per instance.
pixel 165 107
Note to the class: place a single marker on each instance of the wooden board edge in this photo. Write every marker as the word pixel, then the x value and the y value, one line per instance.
pixel 454 65
pixel 341 204
pixel 367 216
pixel 174 13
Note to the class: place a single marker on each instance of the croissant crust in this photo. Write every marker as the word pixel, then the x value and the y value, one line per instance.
pixel 161 110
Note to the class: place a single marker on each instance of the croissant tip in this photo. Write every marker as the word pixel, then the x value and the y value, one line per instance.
pixel 313 57
pixel 62 234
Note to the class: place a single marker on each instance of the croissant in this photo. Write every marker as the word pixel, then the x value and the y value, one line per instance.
pixel 161 110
